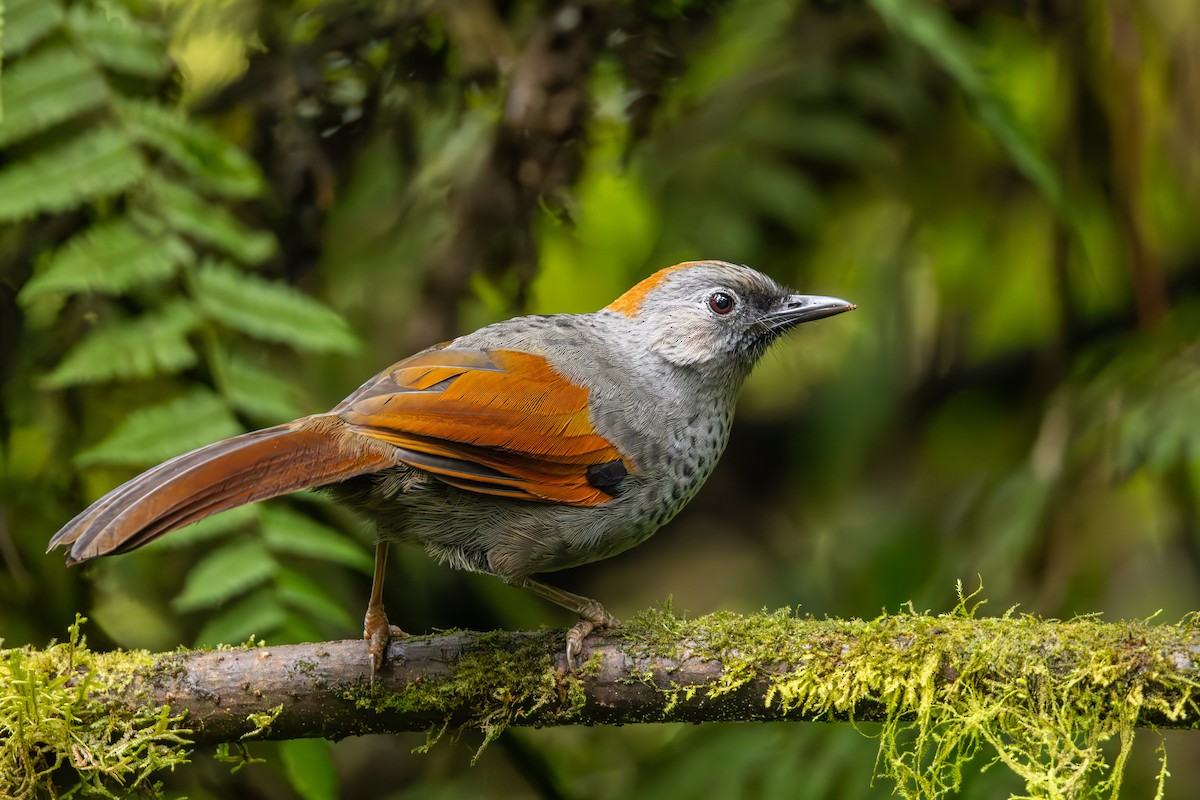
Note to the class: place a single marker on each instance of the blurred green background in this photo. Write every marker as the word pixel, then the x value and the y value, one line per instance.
pixel 220 214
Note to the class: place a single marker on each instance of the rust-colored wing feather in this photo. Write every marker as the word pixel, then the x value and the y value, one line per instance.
pixel 500 422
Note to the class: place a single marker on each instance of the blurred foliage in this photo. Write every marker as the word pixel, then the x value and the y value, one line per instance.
pixel 194 194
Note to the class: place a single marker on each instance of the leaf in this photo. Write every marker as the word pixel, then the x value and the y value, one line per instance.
pixel 834 138
pixel 303 593
pixel 1138 408
pixel 308 765
pixel 258 614
pixel 224 573
pixel 156 433
pixel 51 85
pixel 109 258
pixel 253 390
pixel 97 164
pixel 153 344
pixel 26 22
pixel 270 311
pixel 209 528
pixel 782 191
pixel 216 163
pixel 119 42
pixel 208 223
pixel 933 30
pixel 286 531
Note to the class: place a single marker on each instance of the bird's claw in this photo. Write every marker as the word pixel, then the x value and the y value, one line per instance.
pixel 377 631
pixel 594 616
pixel 575 636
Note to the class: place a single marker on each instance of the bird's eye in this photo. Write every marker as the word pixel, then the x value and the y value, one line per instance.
pixel 720 303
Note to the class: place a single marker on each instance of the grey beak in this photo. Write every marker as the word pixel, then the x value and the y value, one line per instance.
pixel 798 308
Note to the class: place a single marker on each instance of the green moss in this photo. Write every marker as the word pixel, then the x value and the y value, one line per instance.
pixel 501 678
pixel 262 722
pixel 306 666
pixel 1041 697
pixel 1055 702
pixel 56 738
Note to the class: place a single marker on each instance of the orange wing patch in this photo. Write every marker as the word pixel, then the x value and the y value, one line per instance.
pixel 500 422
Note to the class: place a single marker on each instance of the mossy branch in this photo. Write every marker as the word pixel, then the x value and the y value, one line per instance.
pixel 942 687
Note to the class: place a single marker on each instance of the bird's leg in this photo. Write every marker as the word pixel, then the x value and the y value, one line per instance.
pixel 376 628
pixel 592 615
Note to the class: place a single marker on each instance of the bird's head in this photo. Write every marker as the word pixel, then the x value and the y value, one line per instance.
pixel 713 315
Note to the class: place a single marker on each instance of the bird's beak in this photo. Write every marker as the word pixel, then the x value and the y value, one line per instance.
pixel 797 308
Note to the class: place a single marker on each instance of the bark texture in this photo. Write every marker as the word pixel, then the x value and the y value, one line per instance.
pixel 720 668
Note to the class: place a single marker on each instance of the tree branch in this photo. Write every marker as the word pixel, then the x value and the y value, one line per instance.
pixel 954 674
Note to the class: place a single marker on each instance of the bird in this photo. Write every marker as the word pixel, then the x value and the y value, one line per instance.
pixel 531 445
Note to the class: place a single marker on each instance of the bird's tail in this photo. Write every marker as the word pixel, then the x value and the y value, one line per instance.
pixel 229 473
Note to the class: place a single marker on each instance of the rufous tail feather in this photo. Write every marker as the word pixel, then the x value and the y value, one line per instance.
pixel 254 466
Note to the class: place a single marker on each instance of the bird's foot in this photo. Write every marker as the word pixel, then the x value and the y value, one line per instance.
pixel 377 631
pixel 591 616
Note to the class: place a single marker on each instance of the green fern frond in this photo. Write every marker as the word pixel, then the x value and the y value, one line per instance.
pixel 933 30
pixel 255 391
pixel 97 164
pixel 153 344
pixel 109 258
pixel 208 223
pixel 49 86
pixel 159 432
pixel 215 162
pixel 26 23
pixel 270 311
pixel 147 192
pixel 209 528
pixel 224 573
pixel 311 598
pixel 119 42
pixel 1137 410
pixel 289 532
